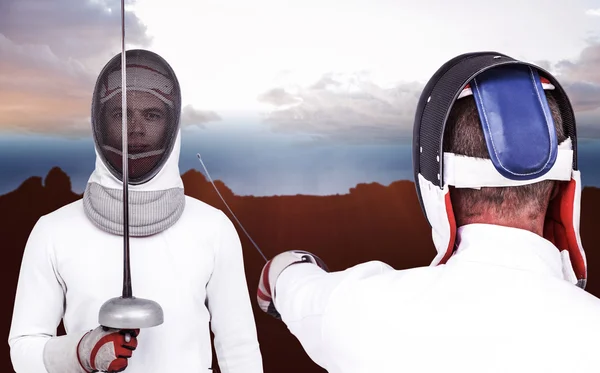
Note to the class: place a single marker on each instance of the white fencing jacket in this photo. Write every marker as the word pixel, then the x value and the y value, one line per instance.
pixel 500 304
pixel 70 268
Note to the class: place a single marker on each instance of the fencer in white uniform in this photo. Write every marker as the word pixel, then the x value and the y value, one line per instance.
pixel 185 254
pixel 495 164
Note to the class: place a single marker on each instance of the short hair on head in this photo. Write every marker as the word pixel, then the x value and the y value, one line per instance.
pixel 464 136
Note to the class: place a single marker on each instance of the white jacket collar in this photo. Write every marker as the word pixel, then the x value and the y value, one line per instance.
pixel 510 247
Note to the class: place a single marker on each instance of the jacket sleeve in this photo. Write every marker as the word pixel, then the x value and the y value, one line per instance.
pixel 232 319
pixel 304 292
pixel 39 303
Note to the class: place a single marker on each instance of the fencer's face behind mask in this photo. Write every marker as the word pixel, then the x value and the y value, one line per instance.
pixel 153 102
pixel 148 121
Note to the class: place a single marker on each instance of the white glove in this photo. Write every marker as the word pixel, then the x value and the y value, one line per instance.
pixel 272 270
pixel 101 349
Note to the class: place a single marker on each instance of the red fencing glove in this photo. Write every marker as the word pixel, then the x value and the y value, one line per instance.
pixel 101 349
pixel 107 350
pixel 272 270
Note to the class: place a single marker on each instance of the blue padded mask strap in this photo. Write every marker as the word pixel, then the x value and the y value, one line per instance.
pixel 516 121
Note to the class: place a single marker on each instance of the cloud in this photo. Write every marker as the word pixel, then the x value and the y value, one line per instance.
pixel 584 96
pixel 588 123
pixel 41 92
pixel 352 108
pixel 52 52
pixel 278 97
pixel 345 107
pixel 593 12
pixel 581 79
pixel 546 65
pixel 71 29
pixel 195 117
pixel 585 68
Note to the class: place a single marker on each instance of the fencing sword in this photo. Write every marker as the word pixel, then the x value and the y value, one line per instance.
pixel 228 208
pixel 127 311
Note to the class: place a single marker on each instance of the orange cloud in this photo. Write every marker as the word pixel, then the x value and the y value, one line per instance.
pixel 40 94
pixel 51 53
pixel 26 112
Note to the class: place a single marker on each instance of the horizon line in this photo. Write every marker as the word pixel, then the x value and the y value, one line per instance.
pixel 195 171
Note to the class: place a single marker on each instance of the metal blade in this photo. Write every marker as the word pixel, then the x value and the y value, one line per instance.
pixel 127 311
pixel 226 205
pixel 127 291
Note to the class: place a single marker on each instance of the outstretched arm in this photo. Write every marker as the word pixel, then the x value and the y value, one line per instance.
pixel 296 287
pixel 232 319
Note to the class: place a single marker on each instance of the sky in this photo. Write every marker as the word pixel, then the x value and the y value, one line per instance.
pixel 322 73
pixel 342 72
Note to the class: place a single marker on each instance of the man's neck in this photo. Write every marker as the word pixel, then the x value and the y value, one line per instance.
pixel 535 225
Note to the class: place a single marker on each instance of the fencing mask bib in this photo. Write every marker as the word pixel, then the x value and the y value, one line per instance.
pixel 153 115
pixel 521 141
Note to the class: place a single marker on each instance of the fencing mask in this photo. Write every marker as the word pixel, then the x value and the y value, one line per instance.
pixel 520 139
pixel 153 109
pixel 153 116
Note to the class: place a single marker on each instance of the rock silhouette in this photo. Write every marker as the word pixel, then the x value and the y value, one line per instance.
pixel 371 222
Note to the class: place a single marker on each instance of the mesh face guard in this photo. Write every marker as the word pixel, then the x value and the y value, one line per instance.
pixel 521 142
pixel 153 113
